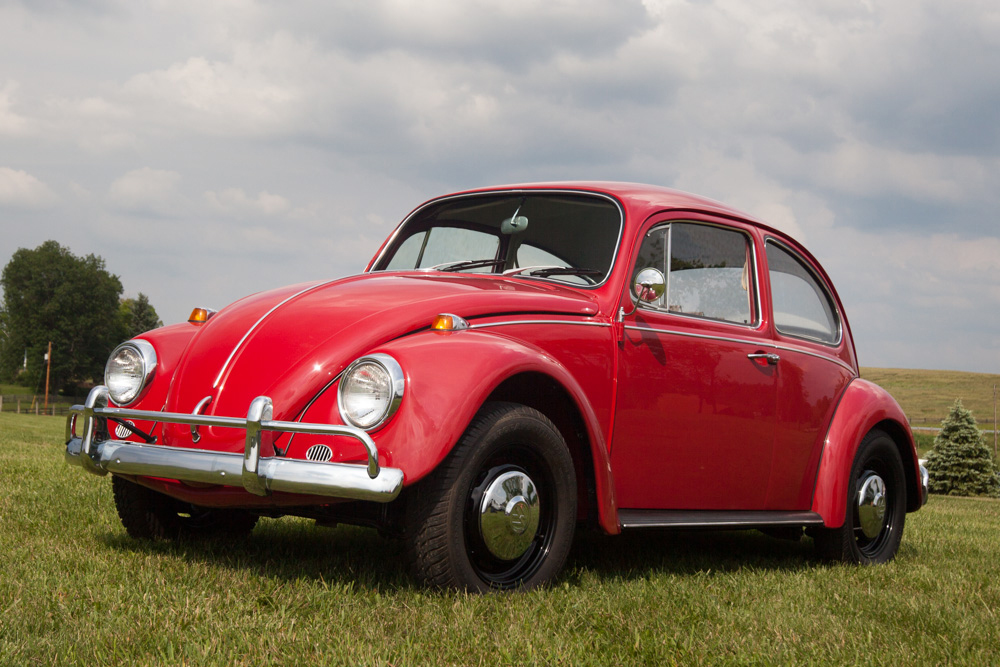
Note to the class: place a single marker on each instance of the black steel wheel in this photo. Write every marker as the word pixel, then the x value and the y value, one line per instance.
pixel 499 513
pixel 876 507
pixel 149 515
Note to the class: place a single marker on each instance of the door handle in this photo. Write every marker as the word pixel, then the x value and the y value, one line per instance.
pixel 771 358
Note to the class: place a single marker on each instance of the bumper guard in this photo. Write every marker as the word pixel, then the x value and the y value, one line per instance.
pixel 258 475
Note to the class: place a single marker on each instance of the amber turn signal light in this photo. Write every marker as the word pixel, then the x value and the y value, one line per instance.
pixel 200 315
pixel 449 322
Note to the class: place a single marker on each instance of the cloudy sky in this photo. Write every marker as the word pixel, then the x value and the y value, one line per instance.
pixel 209 149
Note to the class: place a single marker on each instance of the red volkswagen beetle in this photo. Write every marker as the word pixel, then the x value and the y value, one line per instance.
pixel 513 362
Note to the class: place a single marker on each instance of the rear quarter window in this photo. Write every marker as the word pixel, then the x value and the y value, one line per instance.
pixel 802 305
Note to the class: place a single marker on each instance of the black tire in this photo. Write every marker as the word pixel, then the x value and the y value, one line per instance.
pixel 872 530
pixel 510 455
pixel 148 515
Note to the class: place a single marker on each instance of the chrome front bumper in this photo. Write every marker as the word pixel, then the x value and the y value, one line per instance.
pixel 258 475
pixel 924 483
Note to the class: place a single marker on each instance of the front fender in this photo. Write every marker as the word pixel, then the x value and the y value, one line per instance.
pixel 862 407
pixel 447 381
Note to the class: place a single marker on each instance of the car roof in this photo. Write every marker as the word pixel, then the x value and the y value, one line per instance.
pixel 639 199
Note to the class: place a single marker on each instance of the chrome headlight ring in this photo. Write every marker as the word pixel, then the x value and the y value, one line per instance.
pixel 370 391
pixel 129 371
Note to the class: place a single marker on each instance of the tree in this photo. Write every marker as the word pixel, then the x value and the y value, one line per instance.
pixel 137 316
pixel 960 463
pixel 52 295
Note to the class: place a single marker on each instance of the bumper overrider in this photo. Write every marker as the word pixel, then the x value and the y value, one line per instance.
pixel 258 475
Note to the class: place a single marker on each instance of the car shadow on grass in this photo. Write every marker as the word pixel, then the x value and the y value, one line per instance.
pixel 291 549
pixel 361 559
pixel 640 553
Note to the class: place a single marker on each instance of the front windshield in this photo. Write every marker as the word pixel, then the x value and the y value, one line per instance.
pixel 551 236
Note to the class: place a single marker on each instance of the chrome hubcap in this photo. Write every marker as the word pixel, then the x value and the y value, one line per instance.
pixel 871 504
pixel 508 515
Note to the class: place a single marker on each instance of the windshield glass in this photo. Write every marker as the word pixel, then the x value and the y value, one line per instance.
pixel 551 236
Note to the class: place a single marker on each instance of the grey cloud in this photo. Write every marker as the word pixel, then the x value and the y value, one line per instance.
pixel 511 35
pixel 283 141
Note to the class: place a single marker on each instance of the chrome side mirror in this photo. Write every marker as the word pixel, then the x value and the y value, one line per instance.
pixel 649 285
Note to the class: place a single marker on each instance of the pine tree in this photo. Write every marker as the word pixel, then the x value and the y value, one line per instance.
pixel 960 464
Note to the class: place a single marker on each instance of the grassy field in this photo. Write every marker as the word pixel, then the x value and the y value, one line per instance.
pixel 74 589
pixel 926 396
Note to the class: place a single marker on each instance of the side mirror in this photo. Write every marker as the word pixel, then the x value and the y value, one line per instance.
pixel 649 285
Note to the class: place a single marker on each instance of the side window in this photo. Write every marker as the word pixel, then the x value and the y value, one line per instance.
pixel 441 245
pixel 802 305
pixel 707 269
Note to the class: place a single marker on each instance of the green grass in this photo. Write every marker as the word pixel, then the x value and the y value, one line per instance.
pixel 927 396
pixel 74 589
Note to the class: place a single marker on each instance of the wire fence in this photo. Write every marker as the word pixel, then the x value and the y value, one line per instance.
pixel 28 404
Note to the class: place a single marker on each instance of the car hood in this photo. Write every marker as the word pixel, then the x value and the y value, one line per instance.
pixel 291 342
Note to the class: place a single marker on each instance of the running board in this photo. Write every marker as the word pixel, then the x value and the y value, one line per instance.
pixel 714 519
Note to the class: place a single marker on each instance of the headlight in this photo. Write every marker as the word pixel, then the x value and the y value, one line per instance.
pixel 370 391
pixel 129 371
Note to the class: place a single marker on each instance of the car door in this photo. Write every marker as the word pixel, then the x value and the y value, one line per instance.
pixel 815 366
pixel 696 397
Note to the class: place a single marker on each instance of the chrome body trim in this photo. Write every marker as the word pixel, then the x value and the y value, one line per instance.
pixel 202 404
pixel 511 322
pixel 258 475
pixel 767 344
pixel 716 518
pixel 222 371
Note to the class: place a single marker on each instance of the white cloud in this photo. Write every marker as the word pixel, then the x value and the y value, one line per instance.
pixel 236 202
pixel 247 93
pixel 11 123
pixel 145 190
pixel 22 190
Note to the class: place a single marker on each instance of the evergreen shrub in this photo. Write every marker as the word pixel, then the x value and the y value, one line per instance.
pixel 960 464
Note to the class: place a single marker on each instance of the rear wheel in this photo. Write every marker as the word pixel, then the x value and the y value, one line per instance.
pixel 876 507
pixel 149 515
pixel 499 513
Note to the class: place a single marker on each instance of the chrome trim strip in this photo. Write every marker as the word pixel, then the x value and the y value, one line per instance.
pixel 256 324
pixel 768 344
pixel 715 518
pixel 258 475
pixel 834 360
pixel 687 334
pixel 573 322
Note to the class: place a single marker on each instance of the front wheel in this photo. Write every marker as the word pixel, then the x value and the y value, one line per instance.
pixel 876 507
pixel 500 511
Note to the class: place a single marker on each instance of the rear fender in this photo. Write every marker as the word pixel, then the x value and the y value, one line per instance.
pixel 864 406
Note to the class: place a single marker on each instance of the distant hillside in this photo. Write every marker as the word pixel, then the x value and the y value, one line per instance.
pixel 926 396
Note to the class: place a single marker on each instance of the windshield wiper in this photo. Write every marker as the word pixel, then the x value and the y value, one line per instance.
pixel 467 264
pixel 564 271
